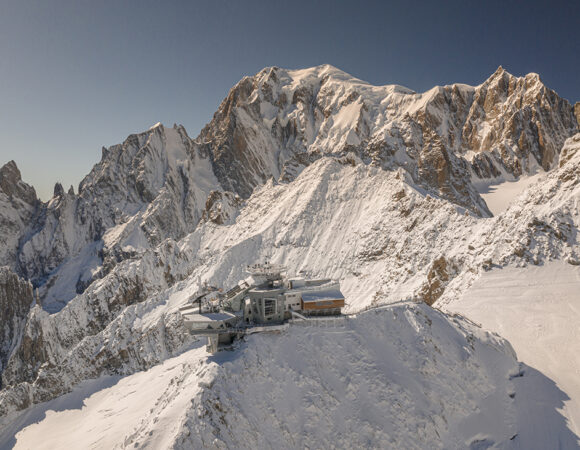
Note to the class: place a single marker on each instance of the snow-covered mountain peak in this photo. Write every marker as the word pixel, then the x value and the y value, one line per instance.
pixel 508 84
pixel 277 122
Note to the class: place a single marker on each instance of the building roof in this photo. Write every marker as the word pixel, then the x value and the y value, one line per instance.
pixel 210 317
pixel 318 296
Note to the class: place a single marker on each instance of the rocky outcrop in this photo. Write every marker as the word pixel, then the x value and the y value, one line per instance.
pixel 221 207
pixel 18 207
pixel 15 301
pixel 517 123
pixel 442 137
pixel 11 184
pixel 438 277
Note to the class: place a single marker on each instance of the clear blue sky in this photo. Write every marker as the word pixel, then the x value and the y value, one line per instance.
pixel 76 75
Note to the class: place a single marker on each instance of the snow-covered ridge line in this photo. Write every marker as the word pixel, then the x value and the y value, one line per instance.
pixel 322 173
pixel 435 382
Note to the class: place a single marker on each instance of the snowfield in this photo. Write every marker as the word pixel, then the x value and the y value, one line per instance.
pixel 402 376
pixel 146 409
pixel 538 310
pixel 498 197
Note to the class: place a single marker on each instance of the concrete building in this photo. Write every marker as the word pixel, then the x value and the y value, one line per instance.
pixel 268 297
pixel 208 321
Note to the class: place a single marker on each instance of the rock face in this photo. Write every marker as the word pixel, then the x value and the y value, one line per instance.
pixel 438 277
pixel 11 185
pixel 15 302
pixel 152 187
pixel 221 207
pixel 512 121
pixel 18 205
pixel 311 168
pixel 278 121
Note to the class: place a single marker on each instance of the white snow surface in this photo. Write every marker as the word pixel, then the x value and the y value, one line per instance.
pixel 499 196
pixel 538 310
pixel 403 376
pixel 145 410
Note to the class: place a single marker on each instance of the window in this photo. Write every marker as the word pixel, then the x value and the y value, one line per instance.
pixel 269 306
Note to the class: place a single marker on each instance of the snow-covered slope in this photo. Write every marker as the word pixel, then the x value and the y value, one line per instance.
pixel 538 310
pixel 536 307
pixel 402 377
pixel 500 195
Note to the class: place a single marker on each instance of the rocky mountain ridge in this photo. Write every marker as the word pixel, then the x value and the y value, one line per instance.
pixel 18 205
pixel 158 184
pixel 314 169
pixel 278 121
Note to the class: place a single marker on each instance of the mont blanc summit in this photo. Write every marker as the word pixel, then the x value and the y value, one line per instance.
pixel 391 194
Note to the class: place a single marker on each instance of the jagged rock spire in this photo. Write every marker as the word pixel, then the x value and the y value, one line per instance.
pixel 58 190
pixel 12 185
pixel 9 176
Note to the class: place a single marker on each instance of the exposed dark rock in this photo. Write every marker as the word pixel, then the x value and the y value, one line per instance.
pixel 221 207
pixel 15 302
pixel 440 273
pixel 58 190
pixel 12 185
